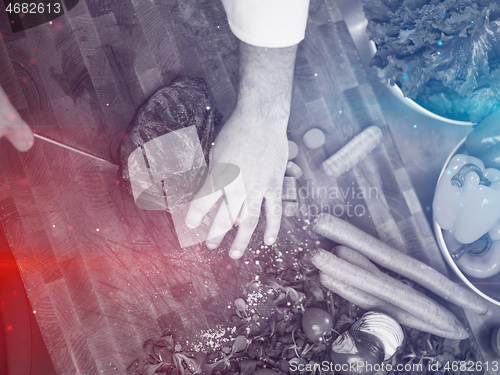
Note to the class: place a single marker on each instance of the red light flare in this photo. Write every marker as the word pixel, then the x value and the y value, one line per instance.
pixel 22 182
pixel 4 186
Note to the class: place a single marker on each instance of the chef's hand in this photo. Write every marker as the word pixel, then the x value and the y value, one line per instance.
pixel 254 139
pixel 12 125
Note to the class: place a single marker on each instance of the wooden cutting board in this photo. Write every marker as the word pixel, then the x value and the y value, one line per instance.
pixel 103 275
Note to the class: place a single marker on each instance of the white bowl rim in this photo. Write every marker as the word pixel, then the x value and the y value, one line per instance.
pixel 442 244
pixel 417 107
pixel 414 105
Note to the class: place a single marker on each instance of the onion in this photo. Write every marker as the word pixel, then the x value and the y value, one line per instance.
pixel 357 353
pixel 385 328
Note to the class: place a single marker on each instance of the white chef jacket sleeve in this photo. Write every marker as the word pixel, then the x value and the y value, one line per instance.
pixel 268 23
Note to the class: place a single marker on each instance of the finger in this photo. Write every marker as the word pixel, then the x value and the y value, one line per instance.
pixel 12 125
pixel 225 218
pixel 198 208
pixel 20 135
pixel 274 208
pixel 214 243
pixel 246 229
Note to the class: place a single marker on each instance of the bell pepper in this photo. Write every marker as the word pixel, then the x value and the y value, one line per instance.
pixel 484 141
pixel 480 259
pixel 467 198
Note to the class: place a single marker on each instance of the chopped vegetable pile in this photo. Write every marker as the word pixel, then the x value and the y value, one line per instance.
pixel 444 54
pixel 267 328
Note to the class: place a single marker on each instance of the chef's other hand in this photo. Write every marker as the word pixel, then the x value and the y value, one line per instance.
pixel 12 125
pixel 254 139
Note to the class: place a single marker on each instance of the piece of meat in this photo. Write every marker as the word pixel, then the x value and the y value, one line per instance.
pixel 184 102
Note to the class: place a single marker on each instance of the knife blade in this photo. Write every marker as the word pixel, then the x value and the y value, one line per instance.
pixel 50 140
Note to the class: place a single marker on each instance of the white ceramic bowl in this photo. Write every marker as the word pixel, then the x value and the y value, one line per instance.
pixel 483 287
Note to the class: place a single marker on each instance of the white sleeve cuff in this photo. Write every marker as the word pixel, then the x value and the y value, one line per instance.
pixel 268 23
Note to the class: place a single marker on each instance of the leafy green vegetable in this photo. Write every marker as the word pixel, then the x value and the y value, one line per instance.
pixel 444 54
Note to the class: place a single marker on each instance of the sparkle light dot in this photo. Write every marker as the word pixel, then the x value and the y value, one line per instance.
pixel 415 126
pixel 9 328
pixel 97 230
pixel 208 108
pixel 340 111
pixel 315 74
pixel 53 225
pixel 34 311
pixel 439 53
pixel 107 104
pixel 440 43
pixel 50 22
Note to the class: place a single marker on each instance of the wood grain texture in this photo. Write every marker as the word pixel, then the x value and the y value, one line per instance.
pixel 103 275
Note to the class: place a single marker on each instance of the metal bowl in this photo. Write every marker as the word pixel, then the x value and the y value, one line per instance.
pixel 484 287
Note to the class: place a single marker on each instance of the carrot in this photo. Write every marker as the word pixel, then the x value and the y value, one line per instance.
pixel 369 302
pixel 353 152
pixel 359 260
pixel 384 255
pixel 389 289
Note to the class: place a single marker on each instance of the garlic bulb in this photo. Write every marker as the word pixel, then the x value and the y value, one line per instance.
pixel 386 328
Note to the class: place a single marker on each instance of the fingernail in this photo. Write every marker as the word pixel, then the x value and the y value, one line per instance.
pixel 235 254
pixel 190 225
pixel 211 245
pixel 271 240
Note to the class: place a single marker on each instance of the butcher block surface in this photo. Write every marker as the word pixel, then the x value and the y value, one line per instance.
pixel 104 275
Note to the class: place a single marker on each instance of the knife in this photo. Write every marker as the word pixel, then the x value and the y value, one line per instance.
pixel 50 140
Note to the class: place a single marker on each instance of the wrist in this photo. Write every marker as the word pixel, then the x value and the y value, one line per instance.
pixel 271 110
pixel 266 78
